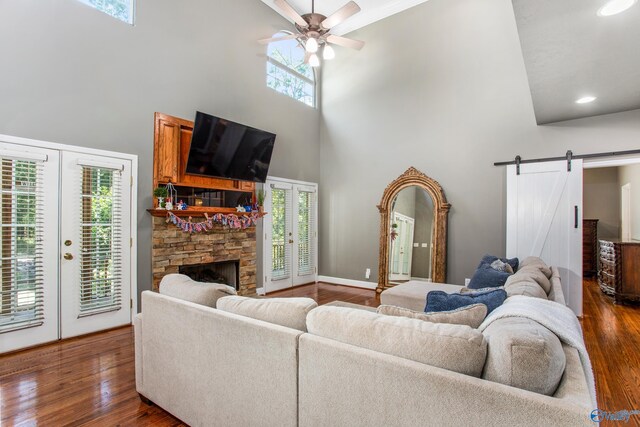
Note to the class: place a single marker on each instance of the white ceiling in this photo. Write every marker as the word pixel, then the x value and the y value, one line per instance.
pixel 372 11
pixel 570 52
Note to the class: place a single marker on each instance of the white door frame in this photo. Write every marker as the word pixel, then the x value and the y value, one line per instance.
pixel 134 197
pixel 625 210
pixel 266 253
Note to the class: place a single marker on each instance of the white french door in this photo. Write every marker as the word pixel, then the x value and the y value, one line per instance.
pixel 544 219
pixel 66 259
pixel 291 242
pixel 95 284
pixel 401 247
pixel 29 250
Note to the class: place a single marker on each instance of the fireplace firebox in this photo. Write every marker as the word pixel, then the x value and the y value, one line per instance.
pixel 226 272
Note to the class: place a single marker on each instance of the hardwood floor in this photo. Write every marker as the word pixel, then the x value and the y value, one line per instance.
pixel 90 380
pixel 612 336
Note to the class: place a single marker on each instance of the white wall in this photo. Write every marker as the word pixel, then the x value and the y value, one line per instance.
pixel 601 200
pixel 631 174
pixel 73 75
pixel 441 87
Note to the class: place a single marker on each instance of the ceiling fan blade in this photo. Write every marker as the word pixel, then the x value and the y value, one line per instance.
pixel 291 12
pixel 277 39
pixel 345 42
pixel 341 14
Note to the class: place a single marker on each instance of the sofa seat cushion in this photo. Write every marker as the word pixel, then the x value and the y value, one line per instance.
pixel 534 261
pixel 524 354
pixel 413 295
pixel 471 316
pixel 441 301
pixel 183 287
pixel 457 348
pixel 289 312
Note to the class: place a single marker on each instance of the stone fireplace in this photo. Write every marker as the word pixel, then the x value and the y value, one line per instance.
pixel 219 251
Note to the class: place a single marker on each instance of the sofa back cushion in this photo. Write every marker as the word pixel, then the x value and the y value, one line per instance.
pixel 527 282
pixel 183 287
pixel 457 348
pixel 534 261
pixel 289 312
pixel 524 354
pixel 472 315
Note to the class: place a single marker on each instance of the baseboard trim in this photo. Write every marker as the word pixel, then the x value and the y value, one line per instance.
pixel 347 282
pixel 260 291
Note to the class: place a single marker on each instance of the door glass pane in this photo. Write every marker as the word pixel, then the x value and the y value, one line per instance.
pixel 21 302
pixel 279 234
pixel 306 227
pixel 407 247
pixel 100 263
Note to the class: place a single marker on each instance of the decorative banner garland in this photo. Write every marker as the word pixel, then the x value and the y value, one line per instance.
pixel 229 220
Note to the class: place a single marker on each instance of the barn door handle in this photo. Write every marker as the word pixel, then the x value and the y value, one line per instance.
pixel 576 217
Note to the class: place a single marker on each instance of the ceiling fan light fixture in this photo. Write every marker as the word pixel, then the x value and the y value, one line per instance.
pixel 613 7
pixel 328 53
pixel 314 61
pixel 311 45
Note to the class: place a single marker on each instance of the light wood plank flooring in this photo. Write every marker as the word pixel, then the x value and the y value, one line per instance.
pixel 90 380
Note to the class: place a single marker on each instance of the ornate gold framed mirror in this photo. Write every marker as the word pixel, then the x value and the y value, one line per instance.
pixel 413 231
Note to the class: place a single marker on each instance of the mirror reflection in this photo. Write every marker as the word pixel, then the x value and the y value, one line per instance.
pixel 411 236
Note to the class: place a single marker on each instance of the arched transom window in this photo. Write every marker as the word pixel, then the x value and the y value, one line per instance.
pixel 287 71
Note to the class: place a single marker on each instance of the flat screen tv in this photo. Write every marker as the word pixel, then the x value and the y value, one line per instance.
pixel 225 149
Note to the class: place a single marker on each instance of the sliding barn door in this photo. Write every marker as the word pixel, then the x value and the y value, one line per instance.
pixel 29 263
pixel 95 285
pixel 544 219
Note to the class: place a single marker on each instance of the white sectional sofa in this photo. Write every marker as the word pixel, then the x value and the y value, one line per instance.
pixel 209 367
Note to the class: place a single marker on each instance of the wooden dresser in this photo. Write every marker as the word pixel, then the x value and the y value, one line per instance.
pixel 619 273
pixel 589 247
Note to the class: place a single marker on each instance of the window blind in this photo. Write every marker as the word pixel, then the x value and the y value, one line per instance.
pixel 21 269
pixel 306 232
pixel 100 241
pixel 281 233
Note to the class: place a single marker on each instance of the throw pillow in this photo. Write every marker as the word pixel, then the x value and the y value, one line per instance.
pixel 502 266
pixel 472 315
pixel 442 301
pixel 487 277
pixel 513 262
pixel 289 312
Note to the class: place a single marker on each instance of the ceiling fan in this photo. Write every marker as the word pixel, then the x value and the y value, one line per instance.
pixel 314 30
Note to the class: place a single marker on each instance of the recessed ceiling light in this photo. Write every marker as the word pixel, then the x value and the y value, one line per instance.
pixel 613 7
pixel 586 99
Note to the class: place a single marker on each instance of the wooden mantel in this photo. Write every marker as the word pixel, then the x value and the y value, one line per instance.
pixel 198 212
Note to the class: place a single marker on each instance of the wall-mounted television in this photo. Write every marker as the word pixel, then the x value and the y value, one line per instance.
pixel 225 149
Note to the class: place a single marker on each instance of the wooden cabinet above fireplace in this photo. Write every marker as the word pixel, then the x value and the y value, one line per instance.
pixel 172 141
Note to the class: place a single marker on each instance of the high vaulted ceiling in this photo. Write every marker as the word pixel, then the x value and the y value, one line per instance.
pixel 372 10
pixel 571 52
